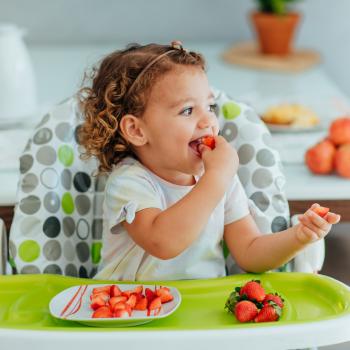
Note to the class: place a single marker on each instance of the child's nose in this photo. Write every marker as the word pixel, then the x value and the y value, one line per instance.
pixel 206 121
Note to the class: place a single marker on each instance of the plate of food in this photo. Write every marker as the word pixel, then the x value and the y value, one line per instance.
pixel 115 305
pixel 291 118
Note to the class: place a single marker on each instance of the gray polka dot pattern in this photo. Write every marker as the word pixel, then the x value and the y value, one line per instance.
pixel 46 155
pixel 83 229
pixel 82 251
pixel 262 178
pixel 49 178
pixel 229 132
pixel 261 200
pixel 68 226
pixel 42 136
pixel 251 116
pixel 279 223
pixel 245 153
pixel 30 269
pixel 25 163
pixel 29 183
pixel 56 219
pixel 30 205
pixel 244 175
pixel 71 270
pixel 51 202
pixel 64 132
pixel 66 179
pixel 279 203
pixel 52 250
pixel 82 203
pixel 265 158
pixel 53 269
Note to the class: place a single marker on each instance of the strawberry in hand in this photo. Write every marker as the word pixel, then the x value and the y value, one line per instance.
pixel 208 141
pixel 321 211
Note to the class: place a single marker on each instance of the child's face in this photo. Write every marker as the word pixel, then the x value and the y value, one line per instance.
pixel 179 110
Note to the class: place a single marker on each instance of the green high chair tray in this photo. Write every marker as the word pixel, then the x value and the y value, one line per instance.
pixel 316 312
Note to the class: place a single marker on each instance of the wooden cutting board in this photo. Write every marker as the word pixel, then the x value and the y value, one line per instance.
pixel 248 54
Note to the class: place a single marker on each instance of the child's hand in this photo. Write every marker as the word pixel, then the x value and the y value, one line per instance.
pixel 313 227
pixel 223 159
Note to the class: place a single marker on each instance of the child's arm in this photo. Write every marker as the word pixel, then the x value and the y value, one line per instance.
pixel 165 234
pixel 258 253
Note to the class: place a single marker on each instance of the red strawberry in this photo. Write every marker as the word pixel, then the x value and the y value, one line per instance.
pixel 121 313
pixel 98 300
pixel 102 312
pixel 156 304
pixel 103 289
pixel 150 295
pixel 270 312
pixel 253 291
pixel 245 311
pixel 275 298
pixel 208 141
pixel 132 301
pixel 164 294
pixel 141 304
pixel 115 291
pixel 321 211
pixel 116 300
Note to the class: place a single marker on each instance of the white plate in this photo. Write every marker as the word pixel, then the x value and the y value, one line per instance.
pixel 292 129
pixel 73 304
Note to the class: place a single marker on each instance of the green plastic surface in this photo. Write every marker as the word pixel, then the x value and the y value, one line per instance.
pixel 24 301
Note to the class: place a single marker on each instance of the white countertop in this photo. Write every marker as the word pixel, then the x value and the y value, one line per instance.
pixel 59 72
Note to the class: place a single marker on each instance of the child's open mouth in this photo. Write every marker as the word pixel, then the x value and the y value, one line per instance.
pixel 207 140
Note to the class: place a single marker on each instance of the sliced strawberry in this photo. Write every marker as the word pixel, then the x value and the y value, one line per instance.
pixel 103 289
pixel 269 313
pixel 98 301
pixel 208 141
pixel 121 313
pixel 275 298
pixel 115 291
pixel 321 211
pixel 150 295
pixel 119 306
pixel 102 312
pixel 245 311
pixel 141 304
pixel 156 304
pixel 164 294
pixel 132 301
pixel 138 290
pixel 115 300
pixel 253 290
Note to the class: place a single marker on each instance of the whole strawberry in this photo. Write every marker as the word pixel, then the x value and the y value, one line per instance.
pixel 245 311
pixel 269 313
pixel 276 298
pixel 253 290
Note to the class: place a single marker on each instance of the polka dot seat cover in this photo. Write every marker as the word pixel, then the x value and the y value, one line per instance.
pixel 260 168
pixel 57 225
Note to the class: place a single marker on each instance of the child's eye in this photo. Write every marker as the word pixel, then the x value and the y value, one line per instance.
pixel 213 107
pixel 187 111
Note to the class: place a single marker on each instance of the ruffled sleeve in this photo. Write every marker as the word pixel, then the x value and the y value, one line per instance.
pixel 129 190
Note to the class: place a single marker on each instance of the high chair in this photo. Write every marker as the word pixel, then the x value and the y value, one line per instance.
pixel 57 225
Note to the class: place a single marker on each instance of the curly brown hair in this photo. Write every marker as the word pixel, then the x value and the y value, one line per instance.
pixel 109 97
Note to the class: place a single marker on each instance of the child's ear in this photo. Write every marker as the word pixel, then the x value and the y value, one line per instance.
pixel 131 128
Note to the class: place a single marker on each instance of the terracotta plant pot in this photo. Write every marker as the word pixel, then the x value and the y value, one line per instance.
pixel 275 32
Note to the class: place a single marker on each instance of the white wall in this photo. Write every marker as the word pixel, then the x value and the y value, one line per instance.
pixel 325 26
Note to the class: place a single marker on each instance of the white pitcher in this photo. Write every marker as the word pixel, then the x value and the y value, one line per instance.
pixel 17 82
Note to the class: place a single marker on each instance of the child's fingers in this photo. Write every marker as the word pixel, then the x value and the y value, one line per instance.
pixel 310 235
pixel 320 231
pixel 332 218
pixel 315 205
pixel 203 149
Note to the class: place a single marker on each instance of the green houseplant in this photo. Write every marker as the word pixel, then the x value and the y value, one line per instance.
pixel 275 25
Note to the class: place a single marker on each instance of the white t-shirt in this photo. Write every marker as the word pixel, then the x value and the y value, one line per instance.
pixel 132 187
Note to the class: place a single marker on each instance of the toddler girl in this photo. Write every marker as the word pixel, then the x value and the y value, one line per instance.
pixel 170 200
